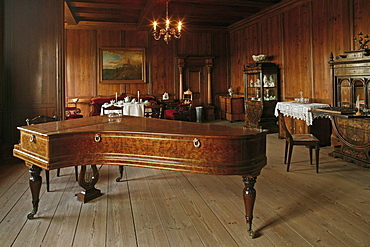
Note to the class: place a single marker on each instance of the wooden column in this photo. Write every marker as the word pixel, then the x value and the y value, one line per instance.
pixel 209 65
pixel 181 64
pixel 210 109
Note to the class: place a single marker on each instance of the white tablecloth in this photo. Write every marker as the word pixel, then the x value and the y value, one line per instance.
pixel 131 109
pixel 300 111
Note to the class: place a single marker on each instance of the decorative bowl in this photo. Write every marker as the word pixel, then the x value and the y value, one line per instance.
pixel 259 58
pixel 75 100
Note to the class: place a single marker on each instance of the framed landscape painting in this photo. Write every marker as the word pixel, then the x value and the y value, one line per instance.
pixel 122 65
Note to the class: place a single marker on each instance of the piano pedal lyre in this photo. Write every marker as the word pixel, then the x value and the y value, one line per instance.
pixel 88 183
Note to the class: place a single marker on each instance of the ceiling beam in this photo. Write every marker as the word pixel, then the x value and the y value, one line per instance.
pixel 103 26
pixel 244 3
pixel 69 19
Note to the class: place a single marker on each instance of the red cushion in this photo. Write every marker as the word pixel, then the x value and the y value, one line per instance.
pixel 170 113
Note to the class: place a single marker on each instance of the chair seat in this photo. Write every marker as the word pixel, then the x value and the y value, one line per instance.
pixel 304 137
pixel 172 113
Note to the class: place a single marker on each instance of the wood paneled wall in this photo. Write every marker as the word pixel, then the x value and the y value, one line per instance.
pixel 33 63
pixel 299 35
pixel 82 58
pixel 2 80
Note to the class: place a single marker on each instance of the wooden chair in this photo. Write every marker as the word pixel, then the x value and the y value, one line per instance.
pixel 45 119
pixel 253 113
pixel 153 110
pixel 308 140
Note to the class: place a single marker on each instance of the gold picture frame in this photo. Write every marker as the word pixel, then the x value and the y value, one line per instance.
pixel 122 65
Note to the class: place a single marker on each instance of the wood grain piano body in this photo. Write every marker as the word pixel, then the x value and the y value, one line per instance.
pixel 144 142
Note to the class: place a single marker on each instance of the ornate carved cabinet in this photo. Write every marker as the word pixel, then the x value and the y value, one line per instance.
pixel 261 83
pixel 351 87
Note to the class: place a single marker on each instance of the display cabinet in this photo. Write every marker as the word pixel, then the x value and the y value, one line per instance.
pixel 261 83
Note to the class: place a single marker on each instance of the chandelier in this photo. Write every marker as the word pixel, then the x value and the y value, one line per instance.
pixel 167 32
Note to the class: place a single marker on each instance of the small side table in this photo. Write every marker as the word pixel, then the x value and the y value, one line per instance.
pixel 232 108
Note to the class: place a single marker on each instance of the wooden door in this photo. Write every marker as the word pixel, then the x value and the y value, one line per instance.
pixel 196 76
pixel 194 80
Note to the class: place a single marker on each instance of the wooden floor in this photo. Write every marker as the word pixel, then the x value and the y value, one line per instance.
pixel 163 208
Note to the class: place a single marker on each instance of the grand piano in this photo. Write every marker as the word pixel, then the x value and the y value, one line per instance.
pixel 141 142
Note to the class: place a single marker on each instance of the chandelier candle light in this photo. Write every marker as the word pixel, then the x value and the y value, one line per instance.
pixel 167 32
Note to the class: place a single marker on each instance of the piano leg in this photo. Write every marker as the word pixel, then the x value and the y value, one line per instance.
pixel 120 168
pixel 88 183
pixel 249 196
pixel 35 186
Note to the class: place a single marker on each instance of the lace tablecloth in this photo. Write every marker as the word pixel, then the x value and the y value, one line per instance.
pixel 300 111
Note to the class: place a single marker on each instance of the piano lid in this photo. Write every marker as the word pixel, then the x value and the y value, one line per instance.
pixel 130 124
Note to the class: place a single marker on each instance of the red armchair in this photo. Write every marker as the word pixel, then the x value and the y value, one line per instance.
pixel 179 111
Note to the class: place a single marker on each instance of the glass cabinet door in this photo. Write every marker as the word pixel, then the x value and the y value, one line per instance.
pixel 359 92
pixel 344 89
pixel 269 87
pixel 253 87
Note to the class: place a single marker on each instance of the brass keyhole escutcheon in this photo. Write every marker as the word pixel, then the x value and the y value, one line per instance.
pixel 97 138
pixel 32 138
pixel 196 143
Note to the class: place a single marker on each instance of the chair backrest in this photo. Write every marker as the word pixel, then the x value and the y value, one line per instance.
pixel 286 134
pixel 113 109
pixel 188 97
pixel 40 119
pixel 253 113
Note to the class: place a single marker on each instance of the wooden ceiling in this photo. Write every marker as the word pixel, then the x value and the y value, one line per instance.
pixel 138 14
